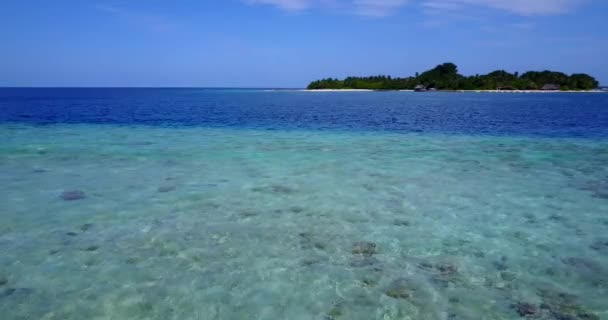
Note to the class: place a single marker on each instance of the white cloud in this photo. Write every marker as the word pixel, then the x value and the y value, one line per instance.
pixel 520 7
pixel 377 8
pixel 388 7
pixel 289 5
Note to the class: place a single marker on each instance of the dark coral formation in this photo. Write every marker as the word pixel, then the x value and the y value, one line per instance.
pixel 310 241
pixel 364 248
pixel 73 195
pixel 563 306
pixel 275 189
pixel 600 245
pixel 501 264
pixel 401 223
pixel 525 309
pixel 165 189
pixel 400 289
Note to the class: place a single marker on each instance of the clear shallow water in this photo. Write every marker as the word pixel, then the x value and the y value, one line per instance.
pixel 230 222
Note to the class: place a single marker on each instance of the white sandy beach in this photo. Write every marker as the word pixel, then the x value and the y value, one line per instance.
pixel 479 91
pixel 337 90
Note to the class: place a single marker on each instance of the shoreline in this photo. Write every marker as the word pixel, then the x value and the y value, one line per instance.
pixel 342 90
pixel 477 91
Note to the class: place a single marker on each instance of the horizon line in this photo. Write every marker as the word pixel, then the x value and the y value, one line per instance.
pixel 143 87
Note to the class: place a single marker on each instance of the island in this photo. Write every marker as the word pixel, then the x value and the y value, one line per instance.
pixel 446 77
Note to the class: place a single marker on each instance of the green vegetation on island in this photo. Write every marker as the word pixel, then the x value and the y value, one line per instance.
pixel 446 77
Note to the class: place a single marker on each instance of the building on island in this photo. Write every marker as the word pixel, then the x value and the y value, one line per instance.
pixel 550 87
pixel 419 88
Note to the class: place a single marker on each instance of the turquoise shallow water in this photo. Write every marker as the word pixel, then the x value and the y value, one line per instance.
pixel 200 223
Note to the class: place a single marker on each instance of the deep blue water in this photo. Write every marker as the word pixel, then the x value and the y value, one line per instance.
pixel 547 114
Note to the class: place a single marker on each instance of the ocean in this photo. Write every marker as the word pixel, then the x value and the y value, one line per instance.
pixel 284 204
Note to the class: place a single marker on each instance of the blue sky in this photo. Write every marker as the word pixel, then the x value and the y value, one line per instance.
pixel 287 43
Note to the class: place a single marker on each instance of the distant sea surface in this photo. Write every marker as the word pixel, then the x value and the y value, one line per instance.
pixel 284 204
pixel 538 114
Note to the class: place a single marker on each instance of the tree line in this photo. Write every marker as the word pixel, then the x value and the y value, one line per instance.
pixel 446 77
